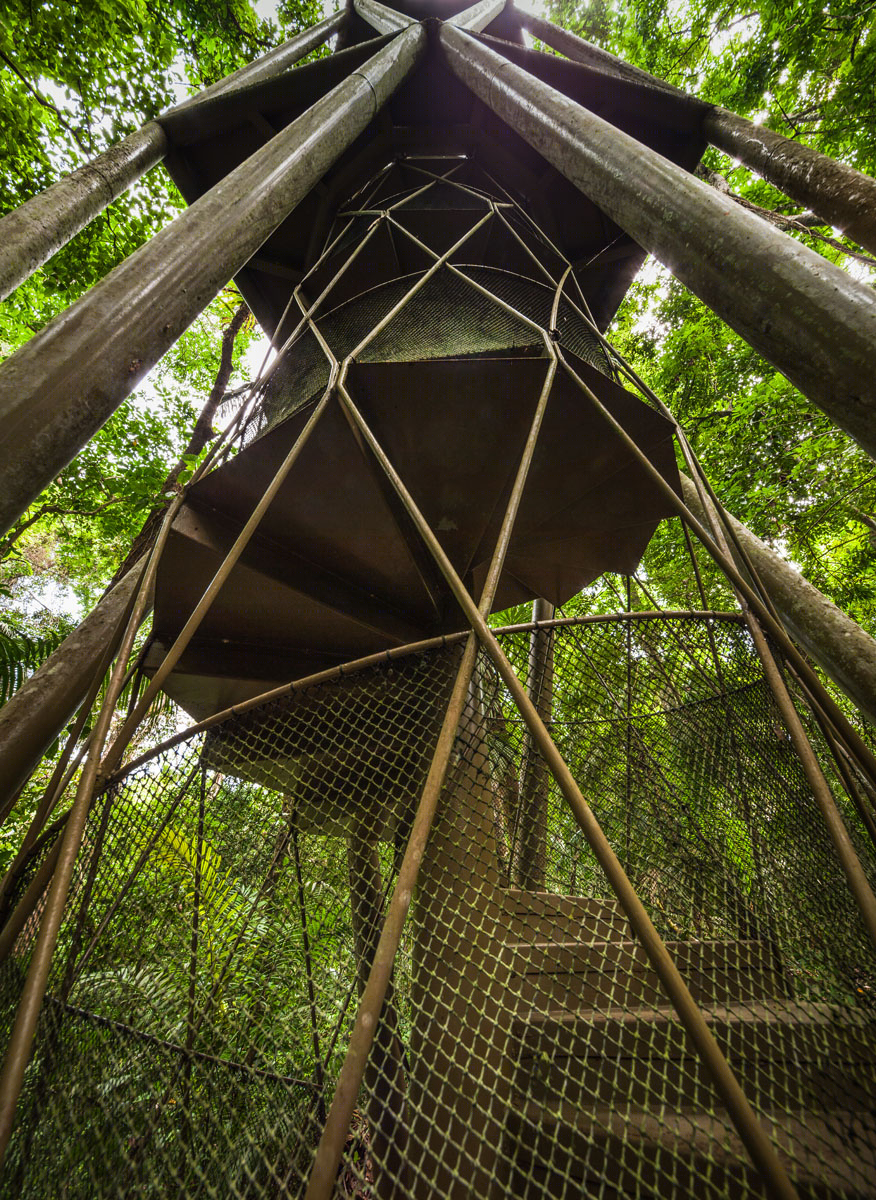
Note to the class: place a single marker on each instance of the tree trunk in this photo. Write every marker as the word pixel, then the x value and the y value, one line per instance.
pixel 840 646
pixel 530 852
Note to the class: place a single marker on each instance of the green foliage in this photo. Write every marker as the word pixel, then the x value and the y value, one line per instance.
pixel 225 910
pixel 777 462
pixel 75 78
pixel 21 653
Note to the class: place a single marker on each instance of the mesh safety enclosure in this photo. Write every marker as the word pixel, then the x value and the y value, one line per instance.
pixel 231 888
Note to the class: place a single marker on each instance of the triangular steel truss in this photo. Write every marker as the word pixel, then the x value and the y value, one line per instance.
pixel 435 225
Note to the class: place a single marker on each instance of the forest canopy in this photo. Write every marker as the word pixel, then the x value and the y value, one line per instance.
pixel 230 882
pixel 76 77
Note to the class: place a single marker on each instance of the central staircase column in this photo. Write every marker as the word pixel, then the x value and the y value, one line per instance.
pixel 384 1075
pixel 459 1085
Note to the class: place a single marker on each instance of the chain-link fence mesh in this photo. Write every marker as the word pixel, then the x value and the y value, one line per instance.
pixel 231 888
pixel 230 892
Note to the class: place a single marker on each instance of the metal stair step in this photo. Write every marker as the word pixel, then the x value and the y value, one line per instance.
pixel 562 1152
pixel 766 1028
pixel 605 974
pixel 532 916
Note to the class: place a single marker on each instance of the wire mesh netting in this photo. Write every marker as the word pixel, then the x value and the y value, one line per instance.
pixel 231 889
pixel 448 318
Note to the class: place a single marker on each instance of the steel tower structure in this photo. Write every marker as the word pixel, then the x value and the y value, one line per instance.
pixel 424 906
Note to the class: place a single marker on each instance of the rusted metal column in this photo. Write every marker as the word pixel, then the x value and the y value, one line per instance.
pixel 32 233
pixel 60 387
pixel 843 196
pixel 809 318
pixel 839 645
pixel 42 706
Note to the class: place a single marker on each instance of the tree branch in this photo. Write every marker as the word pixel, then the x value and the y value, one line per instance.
pixel 201 434
pixel 799 224
pixel 46 510
pixel 863 518
pixel 40 98
pixel 203 430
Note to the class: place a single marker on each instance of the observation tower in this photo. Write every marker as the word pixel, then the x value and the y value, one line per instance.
pixel 438 891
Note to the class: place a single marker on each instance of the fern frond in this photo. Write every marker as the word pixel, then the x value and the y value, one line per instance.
pixel 21 654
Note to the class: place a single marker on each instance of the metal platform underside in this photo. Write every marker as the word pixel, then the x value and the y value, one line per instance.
pixel 448 386
pixel 431 113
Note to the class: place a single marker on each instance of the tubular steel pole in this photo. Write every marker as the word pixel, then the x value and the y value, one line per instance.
pixel 381 18
pixel 32 233
pixel 753 1137
pixel 809 318
pixel 331 1144
pixel 479 16
pixel 37 229
pixel 843 196
pixel 65 382
pixel 275 62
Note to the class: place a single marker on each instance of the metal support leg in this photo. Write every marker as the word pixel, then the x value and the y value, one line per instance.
pixel 843 196
pixel 60 387
pixel 809 318
pixel 37 229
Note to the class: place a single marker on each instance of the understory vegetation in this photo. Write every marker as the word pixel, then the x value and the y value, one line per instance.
pixel 675 792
